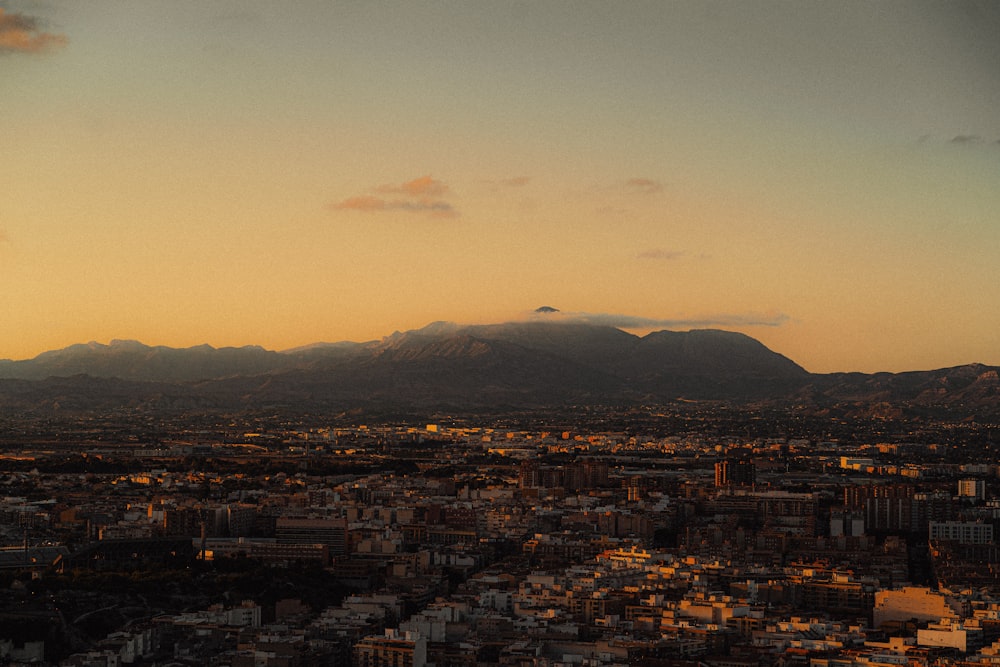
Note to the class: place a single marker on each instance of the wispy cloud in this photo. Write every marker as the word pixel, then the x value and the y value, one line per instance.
pixel 969 140
pixel 362 203
pixel 646 186
pixel 424 186
pixel 966 139
pixel 974 142
pixel 659 253
pixel 420 195
pixel 639 322
pixel 19 33
pixel 369 203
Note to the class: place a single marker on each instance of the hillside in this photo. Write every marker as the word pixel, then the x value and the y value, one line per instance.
pixel 514 365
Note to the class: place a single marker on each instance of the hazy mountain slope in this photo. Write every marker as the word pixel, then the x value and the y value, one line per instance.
pixel 712 350
pixel 971 391
pixel 84 393
pixel 601 347
pixel 471 367
pixel 710 364
pixel 132 360
pixel 458 370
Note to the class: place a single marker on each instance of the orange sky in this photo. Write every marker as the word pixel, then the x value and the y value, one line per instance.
pixel 823 177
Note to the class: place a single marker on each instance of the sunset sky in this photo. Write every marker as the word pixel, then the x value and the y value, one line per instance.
pixel 822 176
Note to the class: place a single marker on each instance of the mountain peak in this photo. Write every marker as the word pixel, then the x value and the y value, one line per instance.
pixel 541 361
pixel 123 344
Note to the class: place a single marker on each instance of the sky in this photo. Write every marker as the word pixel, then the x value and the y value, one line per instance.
pixel 822 176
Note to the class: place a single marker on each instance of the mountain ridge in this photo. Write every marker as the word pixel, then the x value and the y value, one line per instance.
pixel 468 367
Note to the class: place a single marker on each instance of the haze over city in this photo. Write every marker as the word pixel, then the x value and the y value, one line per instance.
pixel 820 176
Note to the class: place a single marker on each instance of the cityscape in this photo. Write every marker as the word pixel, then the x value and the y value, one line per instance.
pixel 687 535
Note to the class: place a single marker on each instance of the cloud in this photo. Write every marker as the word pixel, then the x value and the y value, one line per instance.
pixel 964 142
pixel 421 195
pixel 424 186
pixel 19 33
pixel 646 186
pixel 659 253
pixel 370 204
pixel 439 207
pixel 966 139
pixel 362 203
pixel 638 322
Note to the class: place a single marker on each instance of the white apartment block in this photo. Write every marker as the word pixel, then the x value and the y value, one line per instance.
pixel 963 532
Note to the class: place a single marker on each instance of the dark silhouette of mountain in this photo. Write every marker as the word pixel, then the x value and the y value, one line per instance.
pixel 131 360
pixel 711 364
pixel 458 370
pixel 513 365
pixel 971 391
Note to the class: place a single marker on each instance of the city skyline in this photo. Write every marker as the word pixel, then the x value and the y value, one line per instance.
pixel 821 177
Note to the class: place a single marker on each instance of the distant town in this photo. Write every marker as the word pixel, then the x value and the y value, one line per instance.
pixel 652 537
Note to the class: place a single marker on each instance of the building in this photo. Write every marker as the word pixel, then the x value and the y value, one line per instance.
pixel 846 523
pixel 963 532
pixel 394 649
pixel 950 635
pixel 913 603
pixel 330 532
pixel 733 472
pixel 972 489
pixel 888 507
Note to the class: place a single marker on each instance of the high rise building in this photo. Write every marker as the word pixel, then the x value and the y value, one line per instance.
pixel 329 532
pixel 735 472
pixel 974 489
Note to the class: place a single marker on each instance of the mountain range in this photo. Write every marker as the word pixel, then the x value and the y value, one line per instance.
pixel 501 366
